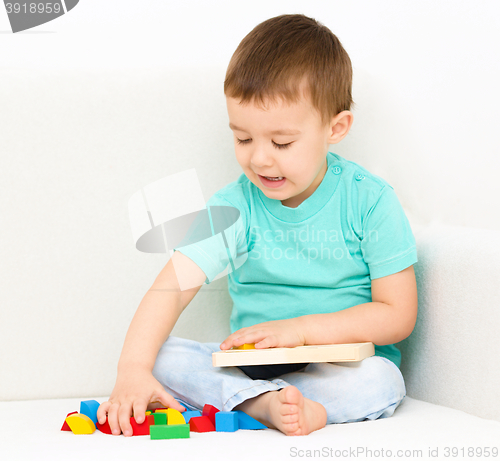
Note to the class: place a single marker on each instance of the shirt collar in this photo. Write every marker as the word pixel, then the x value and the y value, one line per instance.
pixel 312 204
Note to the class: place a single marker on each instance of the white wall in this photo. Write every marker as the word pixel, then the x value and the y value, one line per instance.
pixel 425 74
pixel 117 94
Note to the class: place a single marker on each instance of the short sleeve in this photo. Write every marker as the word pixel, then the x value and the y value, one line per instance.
pixel 388 245
pixel 216 240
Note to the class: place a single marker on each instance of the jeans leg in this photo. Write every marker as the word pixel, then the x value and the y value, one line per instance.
pixel 351 392
pixel 184 368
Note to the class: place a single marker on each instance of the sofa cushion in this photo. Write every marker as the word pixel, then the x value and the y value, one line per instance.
pixel 31 430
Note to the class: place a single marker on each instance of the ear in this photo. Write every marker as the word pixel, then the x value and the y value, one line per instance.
pixel 339 126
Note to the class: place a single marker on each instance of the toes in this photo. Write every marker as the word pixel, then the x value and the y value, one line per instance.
pixel 289 419
pixel 287 409
pixel 290 395
pixel 291 428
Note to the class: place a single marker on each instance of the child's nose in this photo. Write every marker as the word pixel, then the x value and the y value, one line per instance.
pixel 261 158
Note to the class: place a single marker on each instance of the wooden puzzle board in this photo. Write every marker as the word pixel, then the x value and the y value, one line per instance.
pixel 354 352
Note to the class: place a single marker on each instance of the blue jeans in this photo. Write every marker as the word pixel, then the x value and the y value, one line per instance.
pixel 350 392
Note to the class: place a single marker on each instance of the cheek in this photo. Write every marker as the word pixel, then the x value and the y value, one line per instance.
pixel 242 158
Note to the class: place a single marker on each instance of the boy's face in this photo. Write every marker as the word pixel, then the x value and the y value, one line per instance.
pixel 302 160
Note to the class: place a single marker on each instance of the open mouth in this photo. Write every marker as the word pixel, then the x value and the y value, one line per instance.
pixel 272 182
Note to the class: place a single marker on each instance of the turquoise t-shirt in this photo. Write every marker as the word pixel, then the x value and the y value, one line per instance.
pixel 317 258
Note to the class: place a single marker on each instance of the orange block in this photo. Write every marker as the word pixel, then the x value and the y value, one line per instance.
pixel 246 346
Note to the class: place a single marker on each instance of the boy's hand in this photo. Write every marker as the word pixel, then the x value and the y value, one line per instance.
pixel 276 333
pixel 134 389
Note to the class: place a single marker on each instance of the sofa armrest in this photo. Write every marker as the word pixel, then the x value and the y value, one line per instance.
pixel 452 357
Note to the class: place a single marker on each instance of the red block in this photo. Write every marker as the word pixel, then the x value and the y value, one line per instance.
pixel 210 410
pixel 104 427
pixel 143 428
pixel 65 426
pixel 201 424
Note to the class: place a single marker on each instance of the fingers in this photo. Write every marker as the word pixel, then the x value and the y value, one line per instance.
pixel 233 337
pixel 227 343
pixel 119 418
pixel 169 402
pixel 140 406
pixel 119 413
pixel 102 410
pixel 124 414
pixel 252 337
pixel 269 341
pixel 113 418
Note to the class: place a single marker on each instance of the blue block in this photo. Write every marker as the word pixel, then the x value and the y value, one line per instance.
pixel 188 414
pixel 247 422
pixel 226 421
pixel 89 408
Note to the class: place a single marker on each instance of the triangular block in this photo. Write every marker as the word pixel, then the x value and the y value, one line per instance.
pixel 65 426
pixel 247 422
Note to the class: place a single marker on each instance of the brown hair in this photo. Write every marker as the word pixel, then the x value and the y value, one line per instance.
pixel 280 54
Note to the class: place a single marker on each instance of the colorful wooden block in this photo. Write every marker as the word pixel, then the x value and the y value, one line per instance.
pixel 246 346
pixel 201 424
pixel 174 417
pixel 247 422
pixel 210 410
pixel 65 426
pixel 89 408
pixel 161 410
pixel 226 421
pixel 143 428
pixel 80 424
pixel 104 427
pixel 160 417
pixel 188 414
pixel 174 431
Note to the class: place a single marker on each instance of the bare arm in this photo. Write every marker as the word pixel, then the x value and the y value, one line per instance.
pixel 388 319
pixel 151 325
pixel 157 314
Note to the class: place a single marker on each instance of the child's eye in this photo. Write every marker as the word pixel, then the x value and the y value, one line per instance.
pixel 242 141
pixel 279 146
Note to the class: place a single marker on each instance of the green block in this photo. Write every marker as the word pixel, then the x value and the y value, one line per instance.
pixel 160 418
pixel 163 431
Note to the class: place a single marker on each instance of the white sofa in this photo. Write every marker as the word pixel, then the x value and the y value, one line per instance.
pixel 76 146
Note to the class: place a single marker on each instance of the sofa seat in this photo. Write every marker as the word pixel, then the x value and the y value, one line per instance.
pixel 30 430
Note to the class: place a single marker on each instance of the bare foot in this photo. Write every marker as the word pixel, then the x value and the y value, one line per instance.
pixel 286 410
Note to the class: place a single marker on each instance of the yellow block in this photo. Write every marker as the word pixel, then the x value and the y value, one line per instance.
pixel 246 346
pixel 148 412
pixel 174 417
pixel 162 410
pixel 80 424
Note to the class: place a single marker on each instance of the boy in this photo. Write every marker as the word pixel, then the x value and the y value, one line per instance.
pixel 351 279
